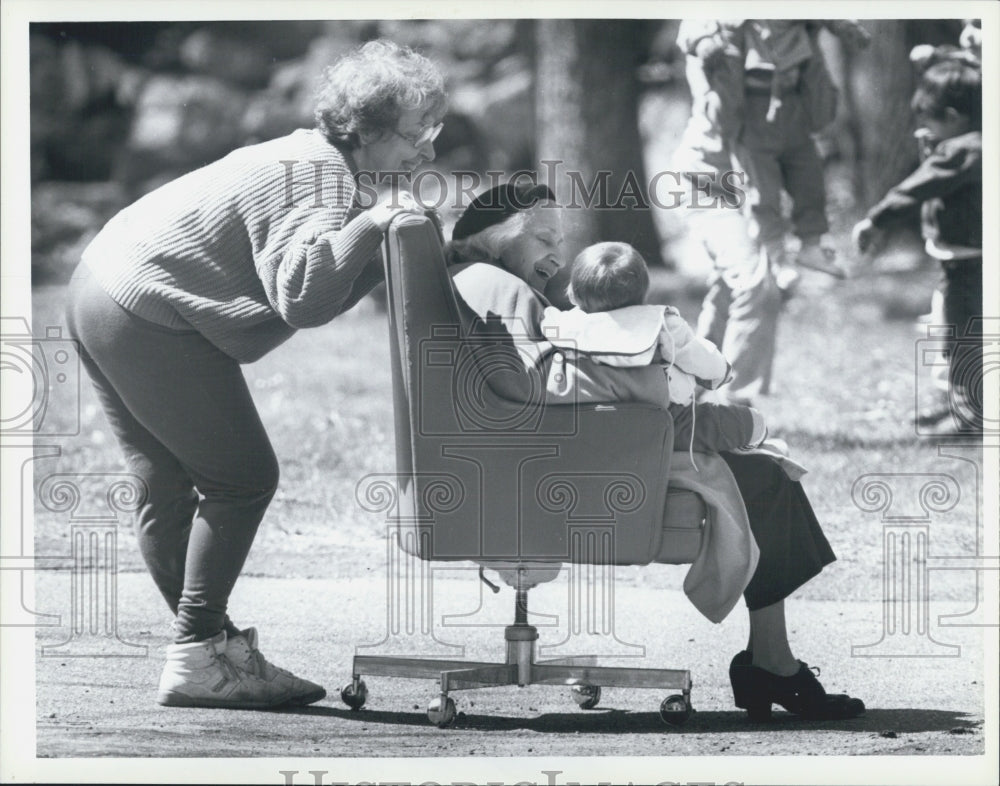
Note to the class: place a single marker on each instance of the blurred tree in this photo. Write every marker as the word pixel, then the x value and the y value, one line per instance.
pixel 587 120
pixel 879 84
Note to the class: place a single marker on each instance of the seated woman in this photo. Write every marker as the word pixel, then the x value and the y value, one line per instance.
pixel 511 236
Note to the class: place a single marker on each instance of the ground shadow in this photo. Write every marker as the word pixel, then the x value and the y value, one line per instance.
pixel 616 721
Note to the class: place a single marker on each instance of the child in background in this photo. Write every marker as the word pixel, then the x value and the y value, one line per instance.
pixel 742 306
pixel 611 325
pixel 770 91
pixel 923 56
pixel 947 190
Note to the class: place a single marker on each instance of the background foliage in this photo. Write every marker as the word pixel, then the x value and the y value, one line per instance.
pixel 119 108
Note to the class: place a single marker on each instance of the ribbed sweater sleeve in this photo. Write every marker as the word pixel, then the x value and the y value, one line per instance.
pixel 246 250
pixel 308 277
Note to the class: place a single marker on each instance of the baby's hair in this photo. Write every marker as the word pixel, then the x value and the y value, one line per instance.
pixel 950 84
pixel 607 276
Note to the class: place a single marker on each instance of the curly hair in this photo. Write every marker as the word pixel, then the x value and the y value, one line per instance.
pixel 487 245
pixel 364 93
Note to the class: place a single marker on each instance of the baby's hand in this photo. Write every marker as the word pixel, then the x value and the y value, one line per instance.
pixel 868 238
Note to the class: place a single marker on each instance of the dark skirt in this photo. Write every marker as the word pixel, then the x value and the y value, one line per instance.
pixel 792 545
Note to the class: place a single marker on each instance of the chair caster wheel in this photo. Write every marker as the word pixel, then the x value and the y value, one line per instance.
pixel 441 714
pixel 354 697
pixel 586 696
pixel 675 710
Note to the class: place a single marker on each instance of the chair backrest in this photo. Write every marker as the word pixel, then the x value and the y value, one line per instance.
pixel 484 479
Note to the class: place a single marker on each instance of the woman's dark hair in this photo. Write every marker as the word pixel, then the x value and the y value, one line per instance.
pixel 950 84
pixel 366 91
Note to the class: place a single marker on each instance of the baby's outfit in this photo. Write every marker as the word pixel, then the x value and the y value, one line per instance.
pixel 642 335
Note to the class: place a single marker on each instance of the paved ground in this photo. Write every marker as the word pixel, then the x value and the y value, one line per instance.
pixel 104 707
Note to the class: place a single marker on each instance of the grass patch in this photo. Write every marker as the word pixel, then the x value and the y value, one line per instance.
pixel 845 388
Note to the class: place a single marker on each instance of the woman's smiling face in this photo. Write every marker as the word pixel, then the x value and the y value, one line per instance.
pixel 536 254
pixel 397 150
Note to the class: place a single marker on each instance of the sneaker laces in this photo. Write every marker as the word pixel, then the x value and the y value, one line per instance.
pixel 262 664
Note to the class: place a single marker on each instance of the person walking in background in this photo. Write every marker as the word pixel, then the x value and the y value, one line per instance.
pixel 739 313
pixel 769 91
pixel 208 272
pixel 947 191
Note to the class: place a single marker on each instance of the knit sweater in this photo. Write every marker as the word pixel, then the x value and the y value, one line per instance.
pixel 245 250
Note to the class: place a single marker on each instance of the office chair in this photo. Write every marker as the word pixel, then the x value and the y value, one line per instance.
pixel 517 488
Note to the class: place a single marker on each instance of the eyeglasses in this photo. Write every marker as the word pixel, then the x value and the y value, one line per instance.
pixel 426 136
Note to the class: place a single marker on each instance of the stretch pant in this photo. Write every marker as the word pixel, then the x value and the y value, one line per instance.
pixel 792 545
pixel 184 418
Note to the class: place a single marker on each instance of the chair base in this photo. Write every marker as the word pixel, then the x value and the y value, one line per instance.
pixel 520 668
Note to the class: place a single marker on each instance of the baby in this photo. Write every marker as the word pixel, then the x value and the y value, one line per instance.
pixel 610 324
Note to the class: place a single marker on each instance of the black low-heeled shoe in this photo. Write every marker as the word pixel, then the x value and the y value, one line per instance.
pixel 755 690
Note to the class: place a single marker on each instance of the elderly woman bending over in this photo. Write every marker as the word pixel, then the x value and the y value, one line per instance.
pixel 213 270
pixel 505 248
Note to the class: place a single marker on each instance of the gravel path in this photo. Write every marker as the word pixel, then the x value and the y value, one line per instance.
pixel 104 707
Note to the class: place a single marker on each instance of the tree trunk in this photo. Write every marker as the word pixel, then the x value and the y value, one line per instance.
pixel 561 132
pixel 589 148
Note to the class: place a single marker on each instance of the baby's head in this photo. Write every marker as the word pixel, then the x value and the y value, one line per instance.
pixel 606 276
pixel 949 99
